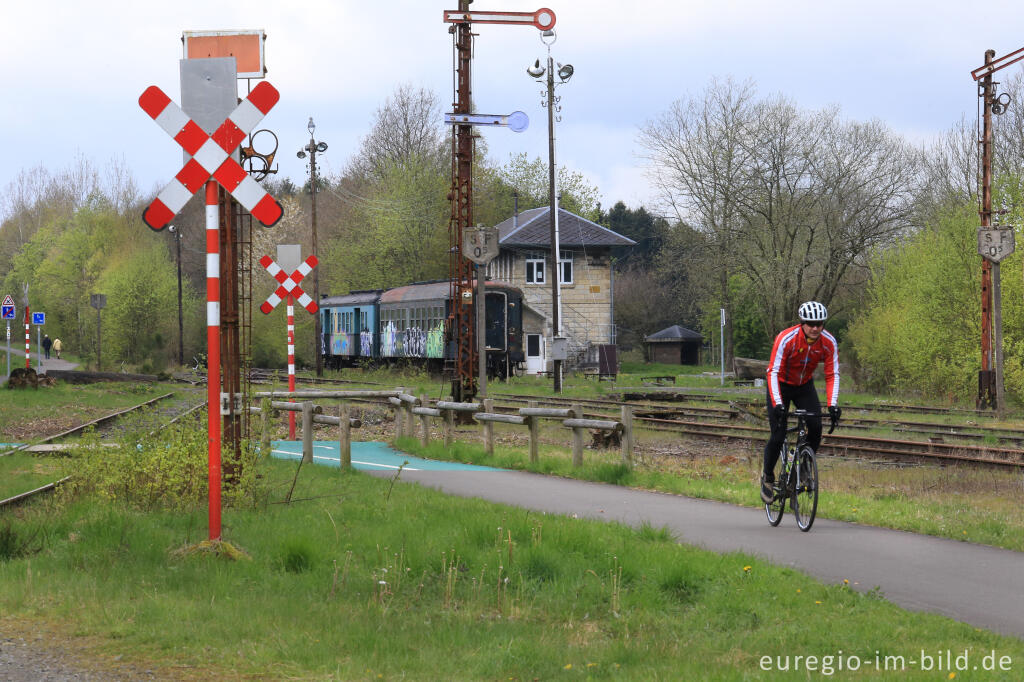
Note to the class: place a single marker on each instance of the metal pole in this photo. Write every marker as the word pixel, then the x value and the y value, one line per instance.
pixel 721 343
pixel 556 312
pixel 480 328
pixel 291 363
pixel 985 379
pixel 181 321
pixel 28 338
pixel 8 349
pixel 316 272
pixel 997 337
pixel 39 348
pixel 99 338
pixel 213 353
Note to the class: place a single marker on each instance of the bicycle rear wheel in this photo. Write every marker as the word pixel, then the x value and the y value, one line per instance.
pixel 805 494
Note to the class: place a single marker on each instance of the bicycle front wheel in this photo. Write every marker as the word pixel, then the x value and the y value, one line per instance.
pixel 805 493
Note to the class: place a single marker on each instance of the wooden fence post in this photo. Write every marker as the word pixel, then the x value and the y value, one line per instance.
pixel 627 434
pixel 577 438
pixel 265 427
pixel 307 432
pixel 449 427
pixel 345 440
pixel 488 428
pixel 534 435
pixel 425 423
pixel 399 413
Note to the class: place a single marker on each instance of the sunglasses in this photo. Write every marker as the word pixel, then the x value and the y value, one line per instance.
pixel 815 324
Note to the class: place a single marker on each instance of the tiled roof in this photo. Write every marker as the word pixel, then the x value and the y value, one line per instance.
pixel 533 228
pixel 674 333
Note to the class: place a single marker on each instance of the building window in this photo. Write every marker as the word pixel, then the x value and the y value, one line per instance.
pixel 535 268
pixel 565 266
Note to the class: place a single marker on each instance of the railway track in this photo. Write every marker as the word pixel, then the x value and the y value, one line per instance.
pixel 721 423
pixel 41 446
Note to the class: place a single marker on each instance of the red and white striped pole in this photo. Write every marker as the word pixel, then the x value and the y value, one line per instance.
pixel 28 339
pixel 291 363
pixel 213 351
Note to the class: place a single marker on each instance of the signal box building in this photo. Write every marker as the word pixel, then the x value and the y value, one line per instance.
pixel 586 277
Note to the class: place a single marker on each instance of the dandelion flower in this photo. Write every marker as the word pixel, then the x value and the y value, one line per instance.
pixel 845 581
pixel 746 569
pixel 817 602
pixel 568 666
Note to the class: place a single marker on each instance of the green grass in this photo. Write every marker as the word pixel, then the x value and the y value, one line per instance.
pixel 21 472
pixel 364 582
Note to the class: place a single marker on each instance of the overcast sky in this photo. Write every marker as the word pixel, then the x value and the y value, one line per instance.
pixel 73 71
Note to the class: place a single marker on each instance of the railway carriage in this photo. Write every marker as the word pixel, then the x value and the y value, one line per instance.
pixel 349 325
pixel 410 323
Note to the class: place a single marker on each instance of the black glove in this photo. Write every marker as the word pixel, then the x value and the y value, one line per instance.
pixel 777 417
pixel 835 412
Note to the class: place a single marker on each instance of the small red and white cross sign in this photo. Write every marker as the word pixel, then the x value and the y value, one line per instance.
pixel 211 155
pixel 289 284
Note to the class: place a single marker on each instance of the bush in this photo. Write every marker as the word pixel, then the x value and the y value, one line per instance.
pixel 162 469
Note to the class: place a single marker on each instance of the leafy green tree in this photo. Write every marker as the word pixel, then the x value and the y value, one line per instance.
pixel 494 186
pixel 920 331
pixel 648 231
pixel 142 307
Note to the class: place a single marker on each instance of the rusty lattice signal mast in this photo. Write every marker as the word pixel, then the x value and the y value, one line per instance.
pixel 990 378
pixel 461 318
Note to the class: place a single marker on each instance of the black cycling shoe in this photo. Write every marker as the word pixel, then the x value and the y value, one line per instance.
pixel 767 488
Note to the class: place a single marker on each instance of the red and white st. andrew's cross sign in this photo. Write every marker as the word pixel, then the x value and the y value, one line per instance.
pixel 211 155
pixel 289 285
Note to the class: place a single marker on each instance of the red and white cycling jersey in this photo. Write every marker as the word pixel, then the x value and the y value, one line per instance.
pixel 793 361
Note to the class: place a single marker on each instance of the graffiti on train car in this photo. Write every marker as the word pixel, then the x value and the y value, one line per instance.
pixel 435 341
pixel 366 344
pixel 341 344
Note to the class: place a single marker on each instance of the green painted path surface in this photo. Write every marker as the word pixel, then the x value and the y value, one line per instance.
pixel 371 456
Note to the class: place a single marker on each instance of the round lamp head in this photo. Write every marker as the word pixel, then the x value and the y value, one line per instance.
pixel 301 154
pixel 321 146
pixel 565 72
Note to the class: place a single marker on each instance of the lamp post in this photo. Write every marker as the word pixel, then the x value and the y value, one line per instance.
pixel 181 323
pixel 551 102
pixel 313 147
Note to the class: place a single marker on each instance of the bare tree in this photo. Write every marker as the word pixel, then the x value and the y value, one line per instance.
pixel 697 160
pixel 790 200
pixel 407 126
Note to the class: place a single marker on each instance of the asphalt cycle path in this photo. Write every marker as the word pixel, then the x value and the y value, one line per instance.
pixel 975 584
pixel 18 360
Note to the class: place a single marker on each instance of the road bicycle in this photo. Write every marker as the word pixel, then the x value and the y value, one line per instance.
pixel 798 476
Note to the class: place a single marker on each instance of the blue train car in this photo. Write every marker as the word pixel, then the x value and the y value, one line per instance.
pixel 350 327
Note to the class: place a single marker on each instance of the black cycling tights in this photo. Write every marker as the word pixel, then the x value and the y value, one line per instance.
pixel 803 397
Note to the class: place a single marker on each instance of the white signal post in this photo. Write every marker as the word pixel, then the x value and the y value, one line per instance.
pixel 288 291
pixel 211 165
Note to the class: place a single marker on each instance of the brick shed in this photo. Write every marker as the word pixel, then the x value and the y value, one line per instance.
pixel 674 345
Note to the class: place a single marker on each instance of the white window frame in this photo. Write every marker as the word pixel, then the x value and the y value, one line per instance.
pixel 533 258
pixel 565 266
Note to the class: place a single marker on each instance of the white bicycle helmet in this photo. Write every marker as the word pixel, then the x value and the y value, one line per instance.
pixel 812 311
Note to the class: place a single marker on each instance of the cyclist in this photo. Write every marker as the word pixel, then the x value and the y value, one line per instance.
pixel 795 354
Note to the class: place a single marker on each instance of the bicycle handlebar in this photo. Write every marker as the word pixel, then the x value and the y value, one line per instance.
pixel 804 414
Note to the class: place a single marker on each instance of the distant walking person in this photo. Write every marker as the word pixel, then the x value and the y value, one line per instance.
pixel 46 346
pixel 57 346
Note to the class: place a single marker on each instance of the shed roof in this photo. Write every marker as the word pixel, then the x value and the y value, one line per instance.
pixel 533 228
pixel 674 333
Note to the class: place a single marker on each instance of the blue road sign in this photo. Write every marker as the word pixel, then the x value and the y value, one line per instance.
pixel 8 312
pixel 38 318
